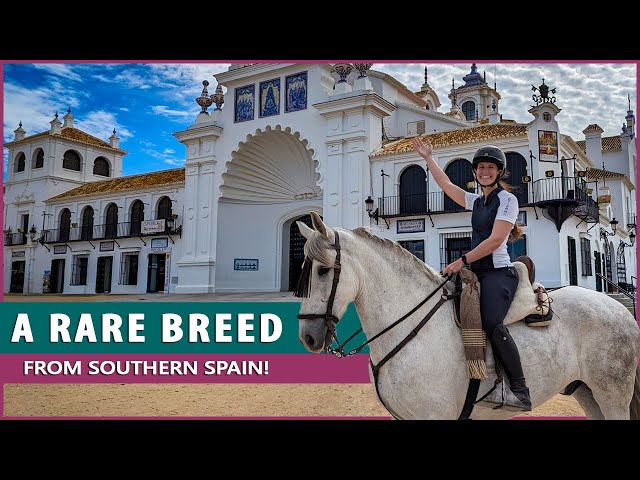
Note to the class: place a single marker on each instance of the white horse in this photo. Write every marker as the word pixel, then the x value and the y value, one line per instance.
pixel 592 339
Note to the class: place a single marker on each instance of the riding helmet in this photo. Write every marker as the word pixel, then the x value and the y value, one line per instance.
pixel 490 154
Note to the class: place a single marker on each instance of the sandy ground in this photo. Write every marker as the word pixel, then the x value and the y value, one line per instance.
pixel 215 400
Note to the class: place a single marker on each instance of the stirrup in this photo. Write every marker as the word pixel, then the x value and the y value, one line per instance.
pixel 501 396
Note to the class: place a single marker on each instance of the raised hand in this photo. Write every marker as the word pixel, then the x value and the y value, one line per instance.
pixel 425 150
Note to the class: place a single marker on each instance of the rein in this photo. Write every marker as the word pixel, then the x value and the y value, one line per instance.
pixel 328 317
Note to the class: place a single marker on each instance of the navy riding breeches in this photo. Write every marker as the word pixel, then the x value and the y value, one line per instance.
pixel 497 289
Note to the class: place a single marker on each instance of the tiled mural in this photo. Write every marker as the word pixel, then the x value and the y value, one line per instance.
pixel 245 101
pixel 296 92
pixel 270 97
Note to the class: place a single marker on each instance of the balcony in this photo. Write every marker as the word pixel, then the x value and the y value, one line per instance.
pixel 104 232
pixel 15 239
pixel 565 194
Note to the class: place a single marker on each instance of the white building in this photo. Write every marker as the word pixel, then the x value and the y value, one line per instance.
pixel 294 138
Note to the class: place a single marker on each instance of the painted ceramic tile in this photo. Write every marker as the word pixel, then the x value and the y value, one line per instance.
pixel 296 90
pixel 245 100
pixel 270 97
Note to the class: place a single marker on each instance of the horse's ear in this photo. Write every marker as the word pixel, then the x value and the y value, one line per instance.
pixel 304 230
pixel 319 225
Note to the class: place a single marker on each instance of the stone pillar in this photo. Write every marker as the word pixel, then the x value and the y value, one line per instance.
pixel 354 130
pixel 196 267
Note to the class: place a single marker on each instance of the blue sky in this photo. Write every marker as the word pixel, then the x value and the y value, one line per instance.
pixel 146 103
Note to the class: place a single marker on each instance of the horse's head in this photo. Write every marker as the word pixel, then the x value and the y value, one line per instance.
pixel 328 284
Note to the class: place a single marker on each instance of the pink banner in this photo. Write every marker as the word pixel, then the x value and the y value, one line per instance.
pixel 183 368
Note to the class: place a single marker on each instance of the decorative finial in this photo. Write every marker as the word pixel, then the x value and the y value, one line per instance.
pixel 20 124
pixel 204 100
pixel 629 98
pixel 218 97
pixel 362 68
pixel 343 69
pixel 495 86
pixel 484 76
pixel 114 131
pixel 69 110
pixel 56 114
pixel 425 75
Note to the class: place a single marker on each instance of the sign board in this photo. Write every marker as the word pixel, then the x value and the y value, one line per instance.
pixel 17 254
pixel 107 246
pixel 58 249
pixel 410 226
pixel 548 146
pixel 245 264
pixel 148 227
pixel 159 243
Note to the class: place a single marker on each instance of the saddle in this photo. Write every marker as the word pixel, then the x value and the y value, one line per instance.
pixel 531 302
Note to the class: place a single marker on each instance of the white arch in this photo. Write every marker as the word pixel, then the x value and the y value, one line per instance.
pixel 254 161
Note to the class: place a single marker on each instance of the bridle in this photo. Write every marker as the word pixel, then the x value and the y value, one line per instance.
pixel 331 320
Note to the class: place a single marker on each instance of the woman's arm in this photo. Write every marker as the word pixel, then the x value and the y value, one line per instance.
pixel 454 192
pixel 500 231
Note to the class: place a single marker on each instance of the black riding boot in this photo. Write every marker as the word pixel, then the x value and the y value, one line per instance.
pixel 507 352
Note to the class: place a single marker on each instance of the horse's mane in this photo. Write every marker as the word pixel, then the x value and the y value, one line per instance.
pixel 318 246
pixel 397 248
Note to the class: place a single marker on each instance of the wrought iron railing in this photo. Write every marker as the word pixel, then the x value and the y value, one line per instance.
pixel 569 190
pixel 18 238
pixel 102 232
pixel 622 290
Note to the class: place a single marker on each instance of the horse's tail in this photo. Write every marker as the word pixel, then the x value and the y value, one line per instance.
pixel 634 407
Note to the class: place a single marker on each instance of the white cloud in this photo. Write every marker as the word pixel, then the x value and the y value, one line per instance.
pixel 124 109
pixel 60 69
pixel 174 115
pixel 101 124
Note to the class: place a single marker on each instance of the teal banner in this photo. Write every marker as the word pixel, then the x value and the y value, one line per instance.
pixel 180 327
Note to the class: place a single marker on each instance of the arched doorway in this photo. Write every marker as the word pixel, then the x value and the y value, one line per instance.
pixel 296 250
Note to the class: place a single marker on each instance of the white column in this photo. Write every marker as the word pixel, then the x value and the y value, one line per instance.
pixel 354 130
pixel 196 267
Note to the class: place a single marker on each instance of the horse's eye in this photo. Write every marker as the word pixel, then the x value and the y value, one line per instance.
pixel 323 271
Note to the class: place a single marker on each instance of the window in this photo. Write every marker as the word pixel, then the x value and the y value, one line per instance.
pixel 65 225
pixel 517 248
pixel 460 172
pixel 517 168
pixel 416 247
pixel 79 270
pixel 101 167
pixel 71 161
pixel 111 224
pixel 469 110
pixel 585 255
pixel 413 191
pixel 38 158
pixel 86 232
pixel 453 246
pixel 137 216
pixel 164 211
pixel 19 164
pixel 129 269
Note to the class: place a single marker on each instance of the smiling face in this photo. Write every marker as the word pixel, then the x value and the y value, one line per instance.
pixel 487 173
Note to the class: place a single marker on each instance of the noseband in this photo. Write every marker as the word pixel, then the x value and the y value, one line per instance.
pixel 328 316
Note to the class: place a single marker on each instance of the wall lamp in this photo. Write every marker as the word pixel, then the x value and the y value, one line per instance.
pixel 614 225
pixel 171 221
pixel 32 235
pixel 632 239
pixel 375 215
